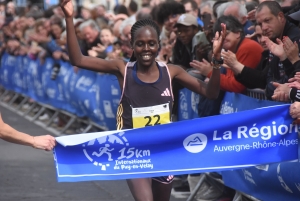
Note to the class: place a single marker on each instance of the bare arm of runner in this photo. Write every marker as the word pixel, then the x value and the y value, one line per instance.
pixel 7 133
pixel 209 90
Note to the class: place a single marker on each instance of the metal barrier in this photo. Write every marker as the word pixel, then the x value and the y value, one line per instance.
pixel 73 124
pixel 256 93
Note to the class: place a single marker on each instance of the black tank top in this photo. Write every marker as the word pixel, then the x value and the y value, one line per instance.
pixel 145 104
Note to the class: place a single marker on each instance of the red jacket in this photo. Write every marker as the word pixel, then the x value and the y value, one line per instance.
pixel 248 54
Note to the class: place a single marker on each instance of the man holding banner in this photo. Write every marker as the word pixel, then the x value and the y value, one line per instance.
pixel 9 134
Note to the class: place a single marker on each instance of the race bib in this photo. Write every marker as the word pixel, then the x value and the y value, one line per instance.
pixel 150 116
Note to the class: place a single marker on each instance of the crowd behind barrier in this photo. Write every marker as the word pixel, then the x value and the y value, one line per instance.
pixel 96 96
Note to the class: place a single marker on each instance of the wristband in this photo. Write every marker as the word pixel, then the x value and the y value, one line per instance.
pixel 215 61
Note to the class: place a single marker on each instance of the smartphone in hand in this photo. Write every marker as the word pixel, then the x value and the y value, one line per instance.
pixel 206 18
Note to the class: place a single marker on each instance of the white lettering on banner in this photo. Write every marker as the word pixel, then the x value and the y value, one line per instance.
pixel 194 101
pixel 99 114
pixel 60 90
pixel 83 83
pixel 236 148
pixel 132 152
pixel 265 132
pixel 262 167
pixel 227 135
pixel 282 182
pixel 51 92
pixel 106 149
pixel 297 186
pixel 93 88
pixel 63 71
pixel 183 106
pixel 49 66
pixel 10 61
pixel 134 161
pixel 255 145
pixel 86 103
pixel 66 78
pixel 133 164
pixel 18 79
pixel 108 109
pixel 114 91
pixel 248 176
pixel 227 109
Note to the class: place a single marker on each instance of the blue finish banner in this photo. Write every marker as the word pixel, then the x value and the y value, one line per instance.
pixel 200 145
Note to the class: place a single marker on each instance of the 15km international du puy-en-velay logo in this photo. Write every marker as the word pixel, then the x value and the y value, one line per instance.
pixel 114 152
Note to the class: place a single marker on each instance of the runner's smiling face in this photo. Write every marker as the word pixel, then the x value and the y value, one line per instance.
pixel 145 45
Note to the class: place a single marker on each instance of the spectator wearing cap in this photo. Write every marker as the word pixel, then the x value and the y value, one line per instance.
pixel 188 37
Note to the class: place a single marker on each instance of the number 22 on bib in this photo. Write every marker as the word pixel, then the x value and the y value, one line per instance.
pixel 150 116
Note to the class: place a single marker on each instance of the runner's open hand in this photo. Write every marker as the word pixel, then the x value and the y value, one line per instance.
pixel 67 7
pixel 218 41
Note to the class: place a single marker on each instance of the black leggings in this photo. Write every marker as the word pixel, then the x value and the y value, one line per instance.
pixel 147 189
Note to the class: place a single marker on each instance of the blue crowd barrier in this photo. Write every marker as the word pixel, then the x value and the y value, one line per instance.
pixel 188 104
pixel 8 63
pixel 84 94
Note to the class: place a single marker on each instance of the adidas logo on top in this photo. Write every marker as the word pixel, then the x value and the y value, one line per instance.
pixel 166 92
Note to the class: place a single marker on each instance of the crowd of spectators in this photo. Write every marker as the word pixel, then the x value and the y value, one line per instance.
pixel 261 48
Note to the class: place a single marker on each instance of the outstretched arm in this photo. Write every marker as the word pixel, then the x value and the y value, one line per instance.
pixel 9 134
pixel 76 57
pixel 209 90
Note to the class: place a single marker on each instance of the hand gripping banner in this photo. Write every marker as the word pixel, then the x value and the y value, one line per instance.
pixel 217 143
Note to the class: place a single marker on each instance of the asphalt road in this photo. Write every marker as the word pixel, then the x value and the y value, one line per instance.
pixel 27 174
